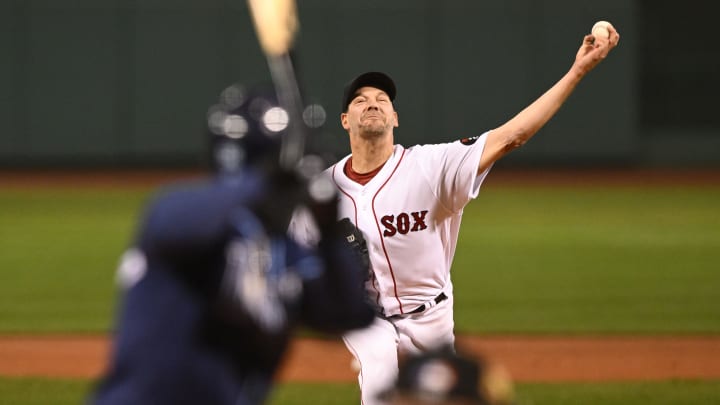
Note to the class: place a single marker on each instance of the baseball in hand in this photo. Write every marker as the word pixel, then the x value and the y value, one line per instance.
pixel 600 29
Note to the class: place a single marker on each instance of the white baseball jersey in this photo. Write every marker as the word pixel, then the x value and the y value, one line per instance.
pixel 410 214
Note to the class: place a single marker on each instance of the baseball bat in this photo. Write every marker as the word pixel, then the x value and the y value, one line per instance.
pixel 276 25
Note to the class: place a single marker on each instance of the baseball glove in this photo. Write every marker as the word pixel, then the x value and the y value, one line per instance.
pixel 355 239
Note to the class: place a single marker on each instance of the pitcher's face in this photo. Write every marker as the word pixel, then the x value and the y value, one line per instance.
pixel 370 113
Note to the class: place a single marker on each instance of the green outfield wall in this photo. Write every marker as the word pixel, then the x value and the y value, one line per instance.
pixel 128 82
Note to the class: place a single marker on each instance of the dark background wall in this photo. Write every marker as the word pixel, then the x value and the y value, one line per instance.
pixel 128 82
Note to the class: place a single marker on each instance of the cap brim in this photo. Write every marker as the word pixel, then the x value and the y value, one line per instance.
pixel 377 80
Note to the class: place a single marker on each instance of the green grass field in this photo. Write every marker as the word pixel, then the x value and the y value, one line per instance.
pixel 58 252
pixel 593 260
pixel 536 260
pixel 73 392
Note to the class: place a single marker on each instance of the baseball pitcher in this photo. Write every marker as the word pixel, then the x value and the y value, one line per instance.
pixel 408 203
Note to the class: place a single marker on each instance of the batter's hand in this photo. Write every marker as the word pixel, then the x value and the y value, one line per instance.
pixel 593 51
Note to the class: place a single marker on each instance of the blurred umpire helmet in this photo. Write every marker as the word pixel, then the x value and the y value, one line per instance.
pixel 247 126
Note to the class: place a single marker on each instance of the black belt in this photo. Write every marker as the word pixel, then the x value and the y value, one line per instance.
pixel 440 298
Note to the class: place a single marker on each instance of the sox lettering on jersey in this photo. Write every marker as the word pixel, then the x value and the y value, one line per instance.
pixel 410 214
pixel 401 223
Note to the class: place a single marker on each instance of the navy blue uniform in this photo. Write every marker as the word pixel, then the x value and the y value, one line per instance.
pixel 213 294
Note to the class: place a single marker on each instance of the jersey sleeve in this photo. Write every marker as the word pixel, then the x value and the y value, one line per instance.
pixel 182 223
pixel 451 168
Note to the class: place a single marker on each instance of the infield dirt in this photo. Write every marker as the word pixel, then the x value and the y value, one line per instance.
pixel 528 359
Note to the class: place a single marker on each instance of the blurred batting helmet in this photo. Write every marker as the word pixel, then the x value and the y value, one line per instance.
pixel 248 124
pixel 245 126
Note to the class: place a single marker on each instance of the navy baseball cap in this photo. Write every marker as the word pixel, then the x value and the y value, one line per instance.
pixel 377 80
